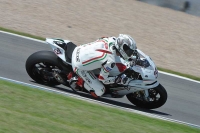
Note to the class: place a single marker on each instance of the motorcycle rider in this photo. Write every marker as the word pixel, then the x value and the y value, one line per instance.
pixel 99 54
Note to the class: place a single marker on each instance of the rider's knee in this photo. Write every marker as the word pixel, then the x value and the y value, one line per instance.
pixel 98 88
pixel 100 91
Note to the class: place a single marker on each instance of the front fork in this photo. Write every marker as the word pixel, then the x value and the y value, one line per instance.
pixel 146 95
pixel 143 95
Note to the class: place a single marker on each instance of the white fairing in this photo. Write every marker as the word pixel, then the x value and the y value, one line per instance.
pixel 115 71
pixel 60 52
pixel 148 73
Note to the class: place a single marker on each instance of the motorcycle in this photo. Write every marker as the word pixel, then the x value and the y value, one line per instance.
pixel 143 90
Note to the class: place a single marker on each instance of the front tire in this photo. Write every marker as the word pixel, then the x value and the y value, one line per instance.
pixel 40 66
pixel 136 98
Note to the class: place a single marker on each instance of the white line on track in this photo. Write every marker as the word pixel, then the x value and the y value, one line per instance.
pixel 102 103
pixel 169 74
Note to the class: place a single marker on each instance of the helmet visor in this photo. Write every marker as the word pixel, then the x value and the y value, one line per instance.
pixel 127 50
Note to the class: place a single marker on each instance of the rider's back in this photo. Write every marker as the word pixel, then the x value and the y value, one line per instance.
pixel 92 55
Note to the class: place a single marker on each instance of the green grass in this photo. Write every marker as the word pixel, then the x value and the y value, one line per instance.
pixel 28 110
pixel 21 33
pixel 41 38
pixel 180 74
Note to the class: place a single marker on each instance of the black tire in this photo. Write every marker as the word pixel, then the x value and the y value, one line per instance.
pixel 45 58
pixel 156 103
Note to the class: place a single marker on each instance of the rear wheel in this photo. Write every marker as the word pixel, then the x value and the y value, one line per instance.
pixel 41 65
pixel 157 98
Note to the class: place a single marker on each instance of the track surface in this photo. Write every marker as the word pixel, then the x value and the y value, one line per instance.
pixel 183 96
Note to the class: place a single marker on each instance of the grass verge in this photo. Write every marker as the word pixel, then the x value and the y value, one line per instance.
pixel 41 38
pixel 180 74
pixel 27 110
pixel 21 33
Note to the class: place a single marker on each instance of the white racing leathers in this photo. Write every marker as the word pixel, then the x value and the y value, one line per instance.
pixel 98 54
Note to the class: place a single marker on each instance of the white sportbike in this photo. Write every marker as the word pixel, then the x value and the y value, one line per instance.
pixel 143 90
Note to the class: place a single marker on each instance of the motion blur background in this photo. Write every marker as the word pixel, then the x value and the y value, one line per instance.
pixel 170 37
pixel 189 6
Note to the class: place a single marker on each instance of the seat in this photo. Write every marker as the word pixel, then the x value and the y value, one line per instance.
pixel 69 48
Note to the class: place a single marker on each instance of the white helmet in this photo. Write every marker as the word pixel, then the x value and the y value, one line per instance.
pixel 126 45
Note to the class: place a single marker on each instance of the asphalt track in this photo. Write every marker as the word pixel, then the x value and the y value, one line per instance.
pixel 183 102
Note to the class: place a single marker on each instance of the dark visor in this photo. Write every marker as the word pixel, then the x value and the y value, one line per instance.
pixel 127 50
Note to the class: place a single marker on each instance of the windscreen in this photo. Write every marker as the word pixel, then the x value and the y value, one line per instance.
pixel 143 63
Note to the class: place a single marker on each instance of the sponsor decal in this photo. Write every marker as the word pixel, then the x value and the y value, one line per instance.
pixel 108 69
pixel 109 81
pixel 156 73
pixel 57 51
pixel 88 80
pixel 77 55
pixel 83 73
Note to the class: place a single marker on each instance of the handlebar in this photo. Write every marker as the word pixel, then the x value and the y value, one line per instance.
pixel 127 72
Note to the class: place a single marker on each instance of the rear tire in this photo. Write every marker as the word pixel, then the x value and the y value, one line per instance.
pixel 39 67
pixel 156 103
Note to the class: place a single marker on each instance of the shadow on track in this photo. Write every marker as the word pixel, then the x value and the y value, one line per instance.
pixel 109 101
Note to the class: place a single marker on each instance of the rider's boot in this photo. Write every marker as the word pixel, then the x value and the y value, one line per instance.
pixel 72 79
pixel 92 92
pixel 80 82
pixel 76 83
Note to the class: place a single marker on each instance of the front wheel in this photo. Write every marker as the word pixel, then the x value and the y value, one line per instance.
pixel 157 98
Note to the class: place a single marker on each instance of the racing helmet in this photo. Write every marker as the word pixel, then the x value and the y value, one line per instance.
pixel 125 45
